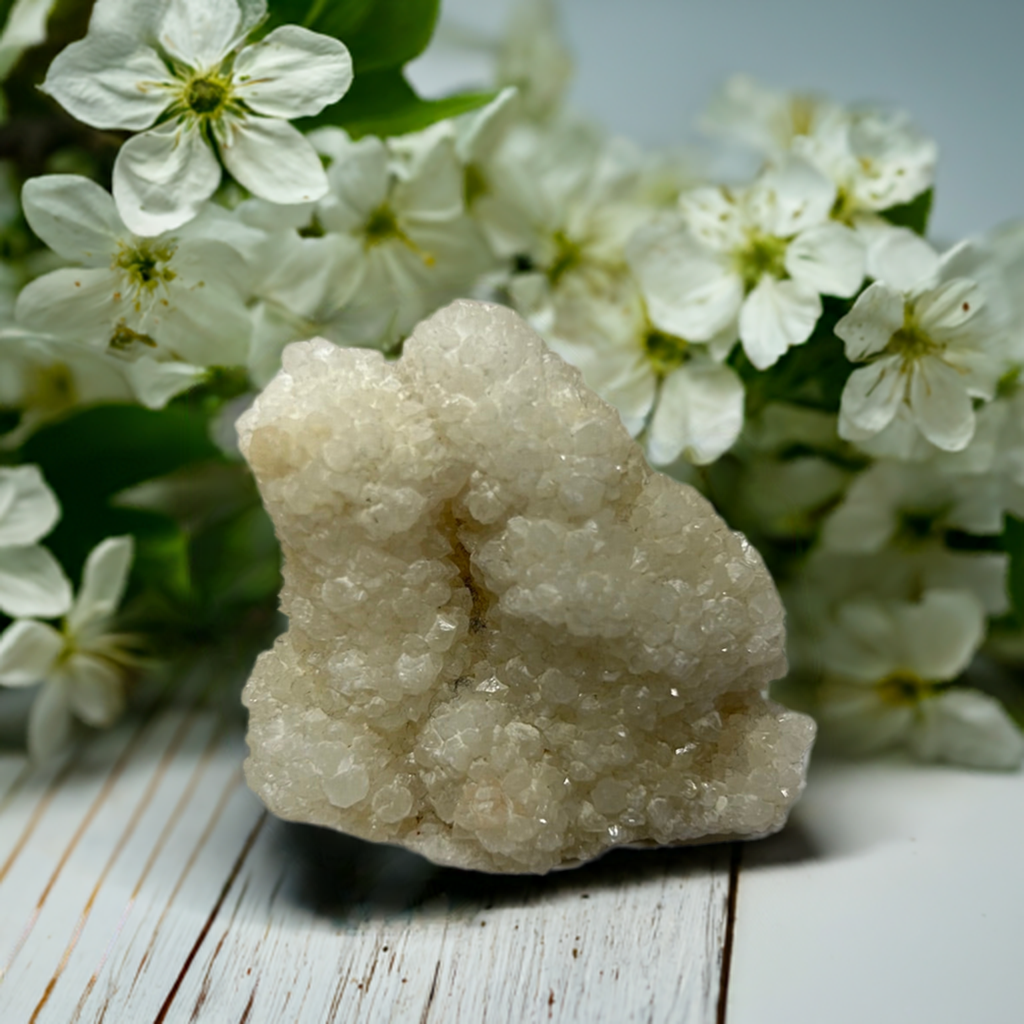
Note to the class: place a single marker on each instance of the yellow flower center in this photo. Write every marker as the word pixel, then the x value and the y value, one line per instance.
pixel 665 352
pixel 910 343
pixel 145 264
pixel 568 255
pixel 205 95
pixel 905 689
pixel 762 254
pixel 474 184
pixel 382 226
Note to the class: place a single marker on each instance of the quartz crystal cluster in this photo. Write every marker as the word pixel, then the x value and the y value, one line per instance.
pixel 511 645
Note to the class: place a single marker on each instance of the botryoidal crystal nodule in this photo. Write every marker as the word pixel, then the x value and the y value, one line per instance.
pixel 512 645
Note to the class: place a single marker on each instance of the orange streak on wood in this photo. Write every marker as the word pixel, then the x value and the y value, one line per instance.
pixel 233 783
pixel 165 834
pixel 100 799
pixel 228 883
pixel 33 822
pixel 140 808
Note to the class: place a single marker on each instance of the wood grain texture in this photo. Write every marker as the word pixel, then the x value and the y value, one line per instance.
pixel 141 882
pixel 322 928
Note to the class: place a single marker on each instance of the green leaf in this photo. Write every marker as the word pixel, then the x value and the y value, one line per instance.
pixel 383 103
pixel 340 20
pixel 913 215
pixel 331 17
pixel 237 562
pixel 92 455
pixel 391 33
pixel 380 34
pixel 812 374
pixel 100 451
pixel 1013 544
pixel 161 548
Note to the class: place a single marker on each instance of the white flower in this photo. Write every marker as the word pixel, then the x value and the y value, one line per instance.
pixel 25 27
pixel 533 58
pixel 785 498
pixel 172 299
pixel 892 502
pixel 31 580
pixel 561 205
pixel 756 260
pixel 930 341
pixel 678 397
pixel 43 378
pixel 876 159
pixel 768 120
pixel 828 580
pixel 887 666
pixel 395 234
pixel 181 70
pixel 83 666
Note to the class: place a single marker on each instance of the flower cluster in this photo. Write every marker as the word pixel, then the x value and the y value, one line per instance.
pixel 845 392
pixel 83 666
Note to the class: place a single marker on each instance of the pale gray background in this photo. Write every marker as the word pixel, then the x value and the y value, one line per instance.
pixel 646 68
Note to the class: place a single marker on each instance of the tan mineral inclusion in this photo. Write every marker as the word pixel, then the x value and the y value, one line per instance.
pixel 511 645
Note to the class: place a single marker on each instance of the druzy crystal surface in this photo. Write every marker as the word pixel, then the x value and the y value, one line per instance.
pixel 511 644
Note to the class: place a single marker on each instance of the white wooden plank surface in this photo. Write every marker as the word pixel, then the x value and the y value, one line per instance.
pixel 894 897
pixel 140 881
pixel 319 928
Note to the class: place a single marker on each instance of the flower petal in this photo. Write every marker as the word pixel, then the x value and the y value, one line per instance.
pixel 699 414
pixel 110 80
pixel 32 583
pixel 859 721
pixel 858 648
pixel 432 191
pixel 155 383
pixel 49 722
pixel 828 258
pixel 358 175
pixel 689 289
pixel 200 33
pixel 206 321
pixel 136 18
pixel 95 690
pixel 272 160
pixel 25 27
pixel 74 304
pixel 28 652
pixel 28 508
pixel 898 161
pixel 74 216
pixel 970 728
pixel 775 316
pixel 293 73
pixel 941 406
pixel 870 399
pixel 902 259
pixel 876 316
pixel 943 311
pixel 713 217
pixel 163 177
pixel 791 198
pixel 103 581
pixel 939 636
pixel 481 132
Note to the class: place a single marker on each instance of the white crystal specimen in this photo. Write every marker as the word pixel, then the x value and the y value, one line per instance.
pixel 511 644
